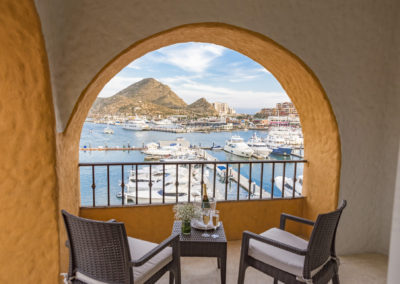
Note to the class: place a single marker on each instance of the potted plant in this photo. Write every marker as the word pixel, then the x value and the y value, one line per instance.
pixel 186 212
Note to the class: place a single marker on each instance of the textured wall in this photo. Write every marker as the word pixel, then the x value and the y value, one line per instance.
pixel 28 222
pixel 321 134
pixel 155 223
pixel 348 45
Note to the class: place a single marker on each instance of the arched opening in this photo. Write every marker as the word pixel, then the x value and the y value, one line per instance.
pixel 321 137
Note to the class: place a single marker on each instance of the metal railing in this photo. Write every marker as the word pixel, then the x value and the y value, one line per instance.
pixel 174 182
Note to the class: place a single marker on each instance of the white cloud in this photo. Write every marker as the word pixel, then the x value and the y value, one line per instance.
pixel 190 57
pixel 235 98
pixel 117 84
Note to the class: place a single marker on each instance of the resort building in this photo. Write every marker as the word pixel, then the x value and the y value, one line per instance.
pixel 337 60
pixel 223 108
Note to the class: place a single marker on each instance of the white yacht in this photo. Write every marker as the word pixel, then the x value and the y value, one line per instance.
pixel 136 124
pixel 288 191
pixel 108 130
pixel 259 146
pixel 238 147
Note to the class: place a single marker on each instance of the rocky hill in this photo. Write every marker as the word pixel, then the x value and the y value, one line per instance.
pixel 202 107
pixel 149 97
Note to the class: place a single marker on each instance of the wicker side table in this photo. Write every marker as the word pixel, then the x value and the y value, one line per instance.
pixel 196 245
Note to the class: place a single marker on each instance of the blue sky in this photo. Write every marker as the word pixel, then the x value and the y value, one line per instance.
pixel 195 70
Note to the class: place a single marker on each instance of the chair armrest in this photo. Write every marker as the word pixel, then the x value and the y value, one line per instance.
pixel 249 235
pixel 172 241
pixel 285 216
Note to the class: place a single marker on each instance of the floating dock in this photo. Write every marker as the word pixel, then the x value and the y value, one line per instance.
pixel 253 188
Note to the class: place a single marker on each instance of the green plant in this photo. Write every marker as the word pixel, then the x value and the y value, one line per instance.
pixel 186 211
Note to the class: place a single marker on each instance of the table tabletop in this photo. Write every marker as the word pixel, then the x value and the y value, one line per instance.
pixel 195 234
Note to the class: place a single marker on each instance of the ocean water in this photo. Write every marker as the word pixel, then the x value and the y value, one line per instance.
pixel 92 136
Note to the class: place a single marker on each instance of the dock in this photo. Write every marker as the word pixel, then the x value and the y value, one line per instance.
pixel 233 175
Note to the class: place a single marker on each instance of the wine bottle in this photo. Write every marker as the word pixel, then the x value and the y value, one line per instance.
pixel 205 204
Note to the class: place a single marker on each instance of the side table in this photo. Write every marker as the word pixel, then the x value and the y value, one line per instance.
pixel 198 246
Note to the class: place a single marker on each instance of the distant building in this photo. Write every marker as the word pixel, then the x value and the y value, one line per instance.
pixel 281 109
pixel 223 108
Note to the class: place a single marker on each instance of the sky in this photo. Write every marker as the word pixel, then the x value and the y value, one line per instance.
pixel 195 70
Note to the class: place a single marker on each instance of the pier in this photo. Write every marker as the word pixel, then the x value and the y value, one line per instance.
pixel 252 187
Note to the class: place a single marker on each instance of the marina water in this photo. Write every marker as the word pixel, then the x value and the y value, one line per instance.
pixel 92 136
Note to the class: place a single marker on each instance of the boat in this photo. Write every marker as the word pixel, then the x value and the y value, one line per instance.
pixel 136 124
pixel 259 147
pixel 163 186
pixel 277 144
pixel 108 130
pixel 238 147
pixel 288 191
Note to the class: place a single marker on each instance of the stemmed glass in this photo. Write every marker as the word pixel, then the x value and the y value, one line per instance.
pixel 206 220
pixel 215 222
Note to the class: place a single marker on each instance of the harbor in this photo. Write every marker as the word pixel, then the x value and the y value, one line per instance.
pixel 130 146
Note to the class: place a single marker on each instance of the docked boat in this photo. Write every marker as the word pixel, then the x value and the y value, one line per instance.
pixel 277 144
pixel 136 124
pixel 163 187
pixel 288 191
pixel 238 147
pixel 259 146
pixel 108 130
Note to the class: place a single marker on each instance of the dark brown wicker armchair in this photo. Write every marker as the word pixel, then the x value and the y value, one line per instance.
pixel 101 252
pixel 290 259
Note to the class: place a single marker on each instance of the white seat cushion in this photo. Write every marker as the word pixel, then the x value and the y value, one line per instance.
pixel 139 248
pixel 279 258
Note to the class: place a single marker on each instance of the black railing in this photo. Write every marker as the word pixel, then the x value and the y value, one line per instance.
pixel 173 182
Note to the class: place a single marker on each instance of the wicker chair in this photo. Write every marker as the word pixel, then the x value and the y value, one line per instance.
pixel 290 259
pixel 101 252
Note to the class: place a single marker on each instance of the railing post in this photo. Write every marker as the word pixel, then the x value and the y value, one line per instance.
pixel 214 179
pixel 122 185
pixel 261 180
pixel 238 183
pixel 163 185
pixel 189 181
pixel 283 180
pixel 136 173
pixel 273 180
pixel 177 182
pixel 226 181
pixel 294 179
pixel 150 183
pixel 93 187
pixel 108 185
pixel 250 169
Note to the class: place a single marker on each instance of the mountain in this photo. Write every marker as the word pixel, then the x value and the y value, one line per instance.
pixel 149 97
pixel 202 107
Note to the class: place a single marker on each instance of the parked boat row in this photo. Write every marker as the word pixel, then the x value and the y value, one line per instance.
pixel 277 142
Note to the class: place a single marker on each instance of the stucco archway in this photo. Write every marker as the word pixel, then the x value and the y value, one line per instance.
pixel 321 136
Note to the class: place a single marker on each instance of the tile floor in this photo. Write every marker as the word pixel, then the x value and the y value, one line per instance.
pixel 354 269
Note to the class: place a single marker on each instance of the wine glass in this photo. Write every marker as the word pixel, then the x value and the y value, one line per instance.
pixel 215 222
pixel 206 220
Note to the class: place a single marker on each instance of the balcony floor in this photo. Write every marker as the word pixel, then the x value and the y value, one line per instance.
pixel 354 269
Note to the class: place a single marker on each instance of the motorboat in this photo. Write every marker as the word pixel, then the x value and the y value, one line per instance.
pixel 288 190
pixel 140 186
pixel 108 130
pixel 259 147
pixel 136 124
pixel 277 144
pixel 238 147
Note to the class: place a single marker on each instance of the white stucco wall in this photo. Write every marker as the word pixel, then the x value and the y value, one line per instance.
pixel 348 44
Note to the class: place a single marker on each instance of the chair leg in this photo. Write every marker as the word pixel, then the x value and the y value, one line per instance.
pixel 275 281
pixel 335 279
pixel 171 277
